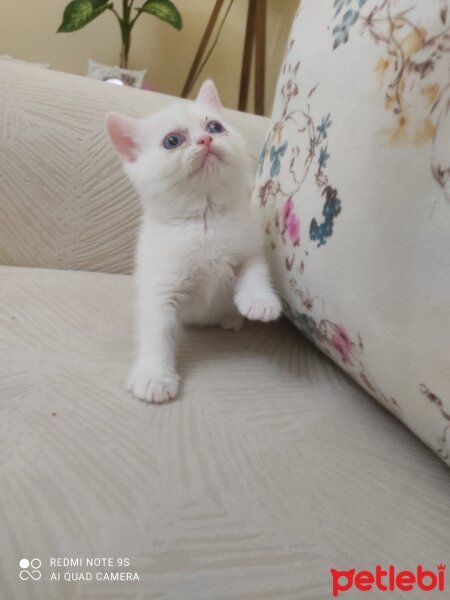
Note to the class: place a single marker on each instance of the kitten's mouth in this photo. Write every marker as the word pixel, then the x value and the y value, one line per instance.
pixel 208 158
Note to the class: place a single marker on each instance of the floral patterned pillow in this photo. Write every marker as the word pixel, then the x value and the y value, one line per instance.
pixel 354 192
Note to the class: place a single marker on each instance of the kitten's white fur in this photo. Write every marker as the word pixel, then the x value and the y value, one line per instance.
pixel 200 255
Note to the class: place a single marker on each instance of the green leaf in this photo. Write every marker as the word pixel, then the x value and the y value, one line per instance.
pixel 164 10
pixel 79 13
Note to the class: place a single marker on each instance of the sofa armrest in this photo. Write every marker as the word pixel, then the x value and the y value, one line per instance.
pixel 64 202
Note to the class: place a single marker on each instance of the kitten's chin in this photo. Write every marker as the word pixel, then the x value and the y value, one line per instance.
pixel 206 164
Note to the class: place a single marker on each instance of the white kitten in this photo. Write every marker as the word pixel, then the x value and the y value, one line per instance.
pixel 200 254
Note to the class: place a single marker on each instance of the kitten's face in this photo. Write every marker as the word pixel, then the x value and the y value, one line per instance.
pixel 186 149
pixel 187 143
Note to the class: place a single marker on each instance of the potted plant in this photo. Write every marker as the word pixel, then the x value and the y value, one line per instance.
pixel 79 13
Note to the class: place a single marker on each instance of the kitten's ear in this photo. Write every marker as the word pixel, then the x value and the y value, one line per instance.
pixel 209 96
pixel 123 135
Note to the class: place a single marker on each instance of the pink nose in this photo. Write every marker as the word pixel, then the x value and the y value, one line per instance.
pixel 205 139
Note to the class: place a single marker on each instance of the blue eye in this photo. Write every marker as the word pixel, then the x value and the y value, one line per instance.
pixel 173 140
pixel 215 127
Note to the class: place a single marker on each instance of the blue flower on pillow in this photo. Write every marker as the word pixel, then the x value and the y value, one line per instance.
pixel 307 325
pixel 303 321
pixel 339 5
pixel 324 125
pixel 319 232
pixel 341 31
pixel 275 155
pixel 323 157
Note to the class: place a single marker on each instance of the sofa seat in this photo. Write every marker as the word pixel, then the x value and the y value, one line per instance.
pixel 270 469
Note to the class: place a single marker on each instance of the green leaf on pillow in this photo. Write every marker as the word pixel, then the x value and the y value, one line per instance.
pixel 79 13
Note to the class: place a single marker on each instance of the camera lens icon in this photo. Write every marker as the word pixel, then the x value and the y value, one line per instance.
pixel 30 569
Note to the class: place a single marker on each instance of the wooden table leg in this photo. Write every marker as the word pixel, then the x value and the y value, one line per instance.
pixel 247 57
pixel 260 56
pixel 255 37
pixel 201 49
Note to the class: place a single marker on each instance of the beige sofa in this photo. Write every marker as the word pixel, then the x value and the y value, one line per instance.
pixel 271 468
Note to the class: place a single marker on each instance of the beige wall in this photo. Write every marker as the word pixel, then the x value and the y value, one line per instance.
pixel 27 31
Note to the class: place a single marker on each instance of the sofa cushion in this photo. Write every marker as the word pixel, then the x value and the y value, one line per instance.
pixel 353 187
pixel 239 489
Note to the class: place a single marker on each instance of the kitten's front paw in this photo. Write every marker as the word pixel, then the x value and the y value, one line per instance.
pixel 264 307
pixel 153 388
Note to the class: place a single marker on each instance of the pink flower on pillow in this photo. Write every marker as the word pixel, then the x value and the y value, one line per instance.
pixel 288 208
pixel 293 229
pixel 342 343
pixel 291 222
